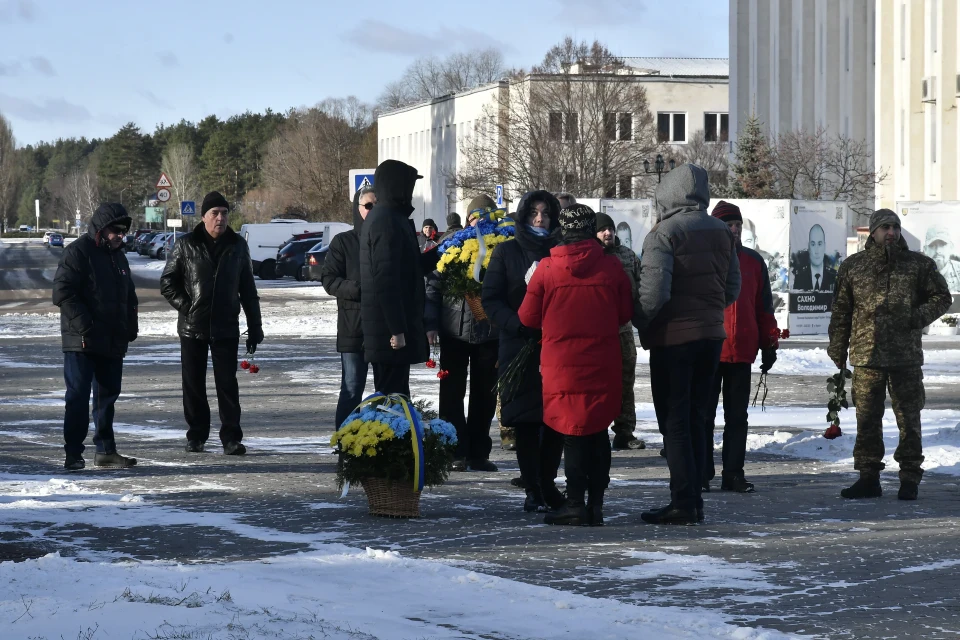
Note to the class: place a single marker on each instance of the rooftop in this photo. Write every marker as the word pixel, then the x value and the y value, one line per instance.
pixel 689 67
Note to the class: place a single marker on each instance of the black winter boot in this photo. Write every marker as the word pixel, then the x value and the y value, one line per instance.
pixel 908 490
pixel 113 461
pixel 553 497
pixel 867 486
pixel 234 448
pixel 573 513
pixel 194 446
pixel 670 515
pixel 627 443
pixel 534 501
pixel 73 463
pixel 735 482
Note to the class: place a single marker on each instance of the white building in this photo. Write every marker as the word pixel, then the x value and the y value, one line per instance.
pixel 858 68
pixel 684 95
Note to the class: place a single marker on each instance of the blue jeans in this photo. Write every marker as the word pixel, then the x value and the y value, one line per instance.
pixel 353 379
pixel 82 373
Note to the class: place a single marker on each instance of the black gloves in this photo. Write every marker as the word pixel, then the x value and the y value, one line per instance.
pixel 767 358
pixel 529 334
pixel 254 337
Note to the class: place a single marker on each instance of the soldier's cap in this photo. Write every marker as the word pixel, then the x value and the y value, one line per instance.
pixel 881 217
pixel 935 233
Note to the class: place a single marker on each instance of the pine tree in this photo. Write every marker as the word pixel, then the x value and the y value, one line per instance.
pixel 752 176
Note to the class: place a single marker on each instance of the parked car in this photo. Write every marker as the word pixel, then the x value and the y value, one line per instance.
pixel 46 237
pixel 55 240
pixel 162 244
pixel 168 243
pixel 25 228
pixel 265 240
pixel 314 261
pixel 156 245
pixel 292 255
pixel 143 242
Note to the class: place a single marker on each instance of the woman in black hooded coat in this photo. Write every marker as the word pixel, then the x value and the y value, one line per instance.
pixel 539 449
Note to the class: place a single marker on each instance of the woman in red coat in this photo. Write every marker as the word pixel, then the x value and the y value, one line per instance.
pixel 580 297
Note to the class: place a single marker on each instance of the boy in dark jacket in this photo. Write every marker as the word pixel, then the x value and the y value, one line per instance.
pixel 750 327
pixel 580 298
pixel 98 319
pixel 341 278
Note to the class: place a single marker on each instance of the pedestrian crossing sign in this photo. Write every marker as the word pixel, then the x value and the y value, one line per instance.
pixel 188 208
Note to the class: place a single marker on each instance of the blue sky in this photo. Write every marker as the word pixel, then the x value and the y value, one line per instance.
pixel 70 68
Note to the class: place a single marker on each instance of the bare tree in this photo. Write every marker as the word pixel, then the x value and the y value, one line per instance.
pixel 431 77
pixel 79 194
pixel 179 163
pixel 310 158
pixel 9 174
pixel 712 156
pixel 584 133
pixel 593 57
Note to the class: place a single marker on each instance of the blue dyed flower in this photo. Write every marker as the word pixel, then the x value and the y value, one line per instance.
pixel 446 431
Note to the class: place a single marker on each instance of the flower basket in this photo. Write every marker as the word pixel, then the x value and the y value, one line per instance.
pixel 393 447
pixel 391 499
pixel 476 308
pixel 465 255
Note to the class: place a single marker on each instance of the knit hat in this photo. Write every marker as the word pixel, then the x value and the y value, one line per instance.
pixel 937 233
pixel 212 200
pixel 481 204
pixel 453 220
pixel 727 212
pixel 881 217
pixel 578 222
pixel 604 221
pixel 428 222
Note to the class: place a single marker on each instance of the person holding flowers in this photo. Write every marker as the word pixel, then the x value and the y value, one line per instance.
pixel 521 405
pixel 580 297
pixel 467 343
pixel 750 327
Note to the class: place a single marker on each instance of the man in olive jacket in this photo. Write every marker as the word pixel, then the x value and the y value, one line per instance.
pixel 208 279
pixel 884 296
pixel 98 319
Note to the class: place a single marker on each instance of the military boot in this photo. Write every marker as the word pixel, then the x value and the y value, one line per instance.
pixel 908 490
pixel 867 486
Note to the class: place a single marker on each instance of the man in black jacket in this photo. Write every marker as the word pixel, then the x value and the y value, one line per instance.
pixel 208 279
pixel 341 278
pixel 466 344
pixel 98 319
pixel 392 292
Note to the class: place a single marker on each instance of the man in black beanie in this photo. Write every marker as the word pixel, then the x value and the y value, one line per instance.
pixel 208 279
pixel 453 225
pixel 428 236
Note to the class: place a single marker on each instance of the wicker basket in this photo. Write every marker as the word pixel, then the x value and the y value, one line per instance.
pixel 391 500
pixel 476 308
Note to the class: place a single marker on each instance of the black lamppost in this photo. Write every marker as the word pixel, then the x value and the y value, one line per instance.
pixel 658 166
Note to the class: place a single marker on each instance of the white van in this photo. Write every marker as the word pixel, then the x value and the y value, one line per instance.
pixel 265 240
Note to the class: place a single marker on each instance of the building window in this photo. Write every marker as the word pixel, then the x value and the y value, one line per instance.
pixel 571 129
pixel 672 127
pixel 716 127
pixel 556 126
pixel 626 187
pixel 626 126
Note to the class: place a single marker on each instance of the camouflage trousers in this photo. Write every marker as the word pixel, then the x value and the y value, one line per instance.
pixel 508 436
pixel 626 422
pixel 907 396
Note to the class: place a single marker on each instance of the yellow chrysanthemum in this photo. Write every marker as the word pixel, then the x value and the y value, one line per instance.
pixel 371 451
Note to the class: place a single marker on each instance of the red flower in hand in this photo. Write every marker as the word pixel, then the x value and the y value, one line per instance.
pixel 833 431
pixel 785 334
pixel 443 373
pixel 431 364
pixel 245 365
pixel 254 368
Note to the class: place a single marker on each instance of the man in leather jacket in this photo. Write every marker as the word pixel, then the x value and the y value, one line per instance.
pixel 208 279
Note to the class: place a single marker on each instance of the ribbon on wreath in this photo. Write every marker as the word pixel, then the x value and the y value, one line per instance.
pixel 416 432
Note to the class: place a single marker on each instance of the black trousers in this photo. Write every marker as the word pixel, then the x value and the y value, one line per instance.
pixel 83 372
pixel 681 379
pixel 733 380
pixel 539 451
pixel 473 429
pixel 586 461
pixel 196 410
pixel 391 378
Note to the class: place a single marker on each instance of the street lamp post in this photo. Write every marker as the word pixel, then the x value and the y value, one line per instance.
pixel 121 194
pixel 658 165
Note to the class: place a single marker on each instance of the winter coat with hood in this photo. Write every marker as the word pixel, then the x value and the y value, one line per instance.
pixel 341 278
pixel 504 288
pixel 392 294
pixel 454 320
pixel 881 303
pixel 689 270
pixel 580 298
pixel 95 292
pixel 209 291
pixel 749 322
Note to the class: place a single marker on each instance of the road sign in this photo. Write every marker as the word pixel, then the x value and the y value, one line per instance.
pixel 359 178
pixel 164 182
pixel 154 214
pixel 174 223
pixel 163 195
pixel 188 208
pixel 500 196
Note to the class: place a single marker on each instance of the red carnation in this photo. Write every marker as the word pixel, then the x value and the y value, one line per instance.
pixel 244 365
pixel 443 373
pixel 833 431
pixel 254 368
pixel 431 364
pixel 785 334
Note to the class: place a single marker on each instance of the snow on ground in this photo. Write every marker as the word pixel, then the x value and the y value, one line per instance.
pixel 333 591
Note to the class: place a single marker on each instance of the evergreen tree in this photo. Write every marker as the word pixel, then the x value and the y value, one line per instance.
pixel 129 166
pixel 752 175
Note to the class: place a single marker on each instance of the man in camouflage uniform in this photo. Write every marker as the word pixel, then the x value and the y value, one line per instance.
pixel 884 296
pixel 626 422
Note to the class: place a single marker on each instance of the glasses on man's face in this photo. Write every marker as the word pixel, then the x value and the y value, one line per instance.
pixel 367 206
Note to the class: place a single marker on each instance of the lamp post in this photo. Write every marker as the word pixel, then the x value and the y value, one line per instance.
pixel 658 165
pixel 121 194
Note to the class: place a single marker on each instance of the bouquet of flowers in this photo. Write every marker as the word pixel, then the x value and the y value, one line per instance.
pixel 465 256
pixel 837 401
pixel 393 439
